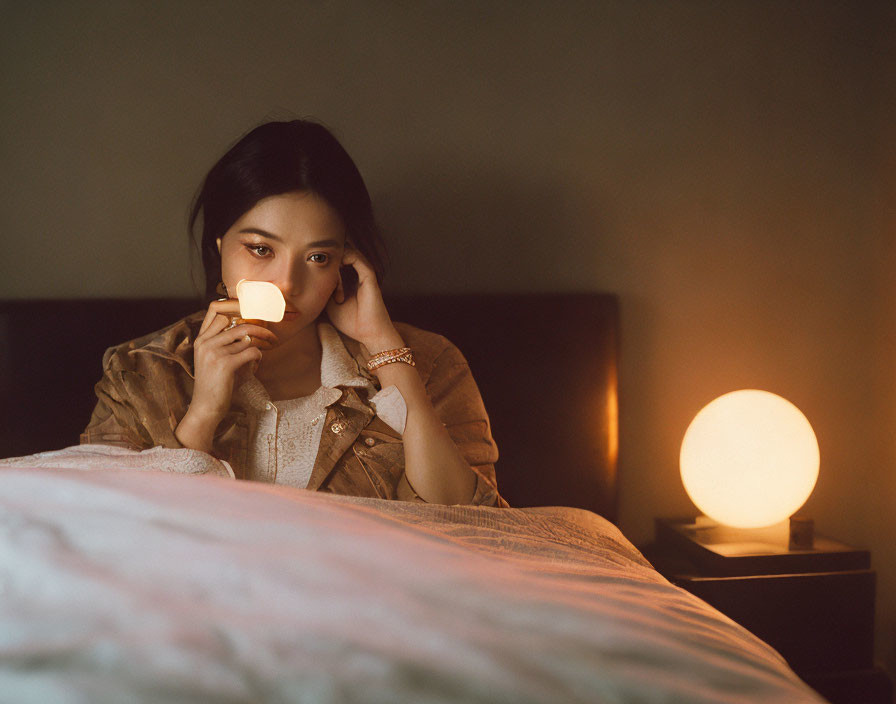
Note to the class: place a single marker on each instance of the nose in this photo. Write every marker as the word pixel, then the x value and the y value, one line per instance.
pixel 290 280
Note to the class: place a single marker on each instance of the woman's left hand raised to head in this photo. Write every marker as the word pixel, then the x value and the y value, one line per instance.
pixel 363 316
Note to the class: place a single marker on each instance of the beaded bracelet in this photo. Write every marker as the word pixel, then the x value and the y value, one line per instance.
pixel 399 354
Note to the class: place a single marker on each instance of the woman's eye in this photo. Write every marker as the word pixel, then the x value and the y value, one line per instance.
pixel 255 247
pixel 322 260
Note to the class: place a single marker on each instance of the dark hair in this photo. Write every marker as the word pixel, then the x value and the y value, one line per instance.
pixel 276 158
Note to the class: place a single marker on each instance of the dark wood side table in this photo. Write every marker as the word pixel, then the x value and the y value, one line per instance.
pixel 814 606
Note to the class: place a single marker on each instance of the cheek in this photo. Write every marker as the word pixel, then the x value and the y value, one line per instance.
pixel 329 281
pixel 229 268
pixel 317 290
pixel 234 267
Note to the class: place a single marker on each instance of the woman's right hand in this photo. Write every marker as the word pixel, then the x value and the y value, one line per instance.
pixel 220 355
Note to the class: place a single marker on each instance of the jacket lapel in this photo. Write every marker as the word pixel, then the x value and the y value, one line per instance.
pixel 345 420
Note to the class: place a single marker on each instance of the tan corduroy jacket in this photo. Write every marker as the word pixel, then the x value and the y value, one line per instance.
pixel 147 385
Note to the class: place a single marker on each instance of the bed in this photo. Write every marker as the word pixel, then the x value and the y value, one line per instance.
pixel 154 577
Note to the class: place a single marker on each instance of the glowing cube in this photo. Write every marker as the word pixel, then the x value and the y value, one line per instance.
pixel 260 300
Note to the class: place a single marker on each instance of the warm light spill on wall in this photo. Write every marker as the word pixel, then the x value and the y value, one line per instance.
pixel 612 412
pixel 749 459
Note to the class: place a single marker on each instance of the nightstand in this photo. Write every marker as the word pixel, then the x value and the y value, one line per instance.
pixel 815 607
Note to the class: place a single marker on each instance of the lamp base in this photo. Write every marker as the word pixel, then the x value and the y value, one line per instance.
pixel 726 551
pixel 802 533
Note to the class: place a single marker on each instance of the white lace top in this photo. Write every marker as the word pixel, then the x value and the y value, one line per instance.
pixel 287 433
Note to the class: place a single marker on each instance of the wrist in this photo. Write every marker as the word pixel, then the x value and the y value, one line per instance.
pixel 402 354
pixel 387 341
pixel 196 429
pixel 202 417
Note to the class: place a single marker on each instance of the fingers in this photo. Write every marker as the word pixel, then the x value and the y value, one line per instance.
pixel 250 335
pixel 222 308
pixel 250 354
pixel 245 341
pixel 217 325
pixel 366 274
pixel 246 361
pixel 224 315
pixel 229 354
pixel 219 334
pixel 252 331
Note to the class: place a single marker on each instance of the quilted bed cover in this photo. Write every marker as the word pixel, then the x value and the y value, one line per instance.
pixel 154 576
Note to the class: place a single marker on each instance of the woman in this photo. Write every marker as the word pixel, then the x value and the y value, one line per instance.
pixel 335 397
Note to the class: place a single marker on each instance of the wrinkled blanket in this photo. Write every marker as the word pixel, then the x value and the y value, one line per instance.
pixel 154 577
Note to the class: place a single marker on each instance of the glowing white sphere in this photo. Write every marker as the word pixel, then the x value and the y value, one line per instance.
pixel 749 459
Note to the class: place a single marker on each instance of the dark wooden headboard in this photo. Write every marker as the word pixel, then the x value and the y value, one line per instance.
pixel 546 365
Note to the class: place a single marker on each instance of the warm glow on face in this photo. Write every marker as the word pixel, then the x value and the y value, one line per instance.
pixel 749 459
pixel 260 300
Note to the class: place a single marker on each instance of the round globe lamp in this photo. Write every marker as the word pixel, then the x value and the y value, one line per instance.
pixel 749 459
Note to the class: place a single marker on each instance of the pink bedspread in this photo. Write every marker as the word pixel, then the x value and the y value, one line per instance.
pixel 134 582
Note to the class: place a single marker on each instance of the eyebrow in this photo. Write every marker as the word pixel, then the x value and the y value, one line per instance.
pixel 277 238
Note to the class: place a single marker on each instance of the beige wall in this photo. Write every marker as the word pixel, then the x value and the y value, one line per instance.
pixel 727 167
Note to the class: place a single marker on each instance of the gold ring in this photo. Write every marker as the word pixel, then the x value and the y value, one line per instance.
pixel 233 323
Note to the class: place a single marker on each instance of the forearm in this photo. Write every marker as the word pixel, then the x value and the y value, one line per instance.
pixel 434 465
pixel 196 431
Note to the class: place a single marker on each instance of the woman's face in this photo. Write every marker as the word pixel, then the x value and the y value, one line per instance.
pixel 295 241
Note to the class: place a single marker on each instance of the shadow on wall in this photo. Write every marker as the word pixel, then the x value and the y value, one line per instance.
pixel 482 231
pixel 486 231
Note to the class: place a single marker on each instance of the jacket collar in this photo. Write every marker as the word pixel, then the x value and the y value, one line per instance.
pixel 337 365
pixel 339 371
